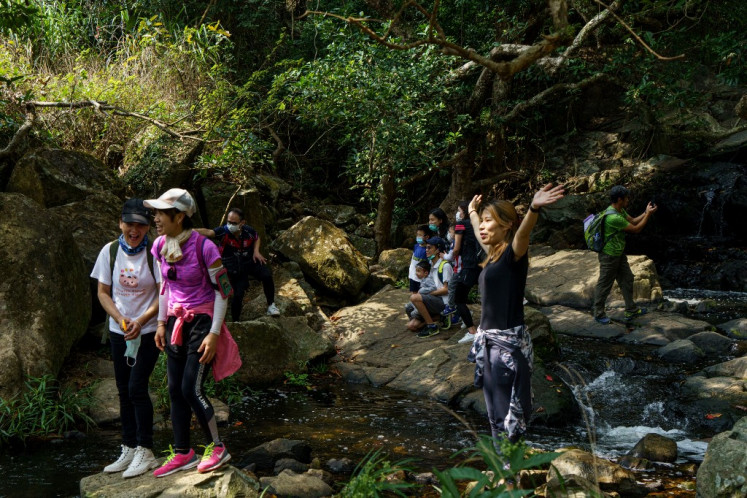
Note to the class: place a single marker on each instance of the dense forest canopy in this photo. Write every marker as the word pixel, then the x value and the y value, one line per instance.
pixel 385 103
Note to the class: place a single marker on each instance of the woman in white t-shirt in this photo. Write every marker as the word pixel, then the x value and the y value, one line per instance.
pixel 128 292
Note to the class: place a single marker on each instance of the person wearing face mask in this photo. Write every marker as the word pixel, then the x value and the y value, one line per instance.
pixel 239 246
pixel 438 223
pixel 127 290
pixel 422 234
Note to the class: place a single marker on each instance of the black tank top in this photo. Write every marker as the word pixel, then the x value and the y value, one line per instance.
pixel 502 291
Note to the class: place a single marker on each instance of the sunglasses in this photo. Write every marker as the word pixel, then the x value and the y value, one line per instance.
pixel 171 273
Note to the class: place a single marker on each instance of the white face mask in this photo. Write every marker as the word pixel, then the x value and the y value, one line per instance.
pixel 458 215
pixel 233 228
pixel 449 237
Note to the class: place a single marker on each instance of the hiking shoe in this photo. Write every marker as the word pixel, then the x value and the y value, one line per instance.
pixel 448 310
pixel 629 315
pixel 124 460
pixel 143 462
pixel 176 462
pixel 445 322
pixel 456 319
pixel 273 310
pixel 214 457
pixel 604 320
pixel 428 330
pixel 467 338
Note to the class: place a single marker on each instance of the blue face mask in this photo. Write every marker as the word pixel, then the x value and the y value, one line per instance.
pixel 419 240
pixel 431 257
pixel 131 351
pixel 433 227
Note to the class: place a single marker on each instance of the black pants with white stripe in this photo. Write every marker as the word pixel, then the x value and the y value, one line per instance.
pixel 187 378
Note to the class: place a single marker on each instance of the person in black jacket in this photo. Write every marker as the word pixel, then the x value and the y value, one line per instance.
pixel 239 246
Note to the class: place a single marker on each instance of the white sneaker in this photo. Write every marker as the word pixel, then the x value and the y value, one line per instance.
pixel 464 326
pixel 123 461
pixel 467 338
pixel 273 310
pixel 142 463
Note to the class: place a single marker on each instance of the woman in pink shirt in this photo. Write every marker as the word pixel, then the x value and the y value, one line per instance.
pixel 190 322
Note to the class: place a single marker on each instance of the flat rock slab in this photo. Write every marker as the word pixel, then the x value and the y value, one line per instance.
pixel 569 321
pixel 226 482
pixel 376 348
pixel 673 326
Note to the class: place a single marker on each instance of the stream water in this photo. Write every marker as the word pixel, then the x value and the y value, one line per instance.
pixel 624 391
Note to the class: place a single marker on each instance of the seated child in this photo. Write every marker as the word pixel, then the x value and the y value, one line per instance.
pixel 427 285
pixel 422 234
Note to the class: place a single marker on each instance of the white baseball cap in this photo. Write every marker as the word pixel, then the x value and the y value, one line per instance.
pixel 176 198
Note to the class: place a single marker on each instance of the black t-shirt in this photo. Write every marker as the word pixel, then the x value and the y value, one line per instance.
pixel 502 291
pixel 470 247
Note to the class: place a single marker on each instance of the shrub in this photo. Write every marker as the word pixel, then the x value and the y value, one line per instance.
pixel 44 408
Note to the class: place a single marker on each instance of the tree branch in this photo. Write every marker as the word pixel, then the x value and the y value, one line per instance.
pixel 505 70
pixel 630 30
pixel 102 107
pixel 21 134
pixel 582 35
pixel 549 92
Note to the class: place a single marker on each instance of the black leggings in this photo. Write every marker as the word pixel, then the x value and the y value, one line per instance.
pixel 187 378
pixel 240 283
pixel 135 407
pixel 467 278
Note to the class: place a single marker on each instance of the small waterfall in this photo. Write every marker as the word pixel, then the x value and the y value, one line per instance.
pixel 709 195
pixel 620 408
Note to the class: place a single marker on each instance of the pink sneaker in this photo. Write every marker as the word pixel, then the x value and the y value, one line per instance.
pixel 214 457
pixel 176 462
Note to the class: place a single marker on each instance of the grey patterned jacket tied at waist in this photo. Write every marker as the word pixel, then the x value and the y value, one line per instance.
pixel 513 340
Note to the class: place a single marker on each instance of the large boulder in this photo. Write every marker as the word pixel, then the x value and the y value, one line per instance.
pixel 93 222
pixel 272 346
pixel 45 302
pixel 53 177
pixel 569 278
pixel 226 482
pixel 396 261
pixel 325 255
pixel 723 472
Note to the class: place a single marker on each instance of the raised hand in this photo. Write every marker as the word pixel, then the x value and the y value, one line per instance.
pixel 474 204
pixel 548 195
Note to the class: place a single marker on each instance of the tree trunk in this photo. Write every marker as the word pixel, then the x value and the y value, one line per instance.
pixel 383 223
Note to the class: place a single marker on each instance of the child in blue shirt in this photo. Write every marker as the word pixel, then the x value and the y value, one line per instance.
pixel 422 234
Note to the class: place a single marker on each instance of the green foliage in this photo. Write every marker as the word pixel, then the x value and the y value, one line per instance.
pixel 373 477
pixel 297 379
pixel 42 409
pixel 503 466
pixel 384 110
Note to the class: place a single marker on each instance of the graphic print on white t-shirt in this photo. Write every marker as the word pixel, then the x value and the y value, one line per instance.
pixel 133 286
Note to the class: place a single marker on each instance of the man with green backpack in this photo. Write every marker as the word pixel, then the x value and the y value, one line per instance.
pixel 613 264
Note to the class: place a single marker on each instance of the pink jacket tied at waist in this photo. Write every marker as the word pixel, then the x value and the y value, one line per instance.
pixel 227 359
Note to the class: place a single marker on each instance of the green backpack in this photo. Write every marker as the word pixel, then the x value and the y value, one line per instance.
pixel 594 230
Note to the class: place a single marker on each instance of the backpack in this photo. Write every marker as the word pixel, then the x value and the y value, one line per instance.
pixel 113 248
pixel 594 230
pixel 441 270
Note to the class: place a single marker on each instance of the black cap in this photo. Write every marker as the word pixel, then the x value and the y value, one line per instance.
pixel 134 211
pixel 438 242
